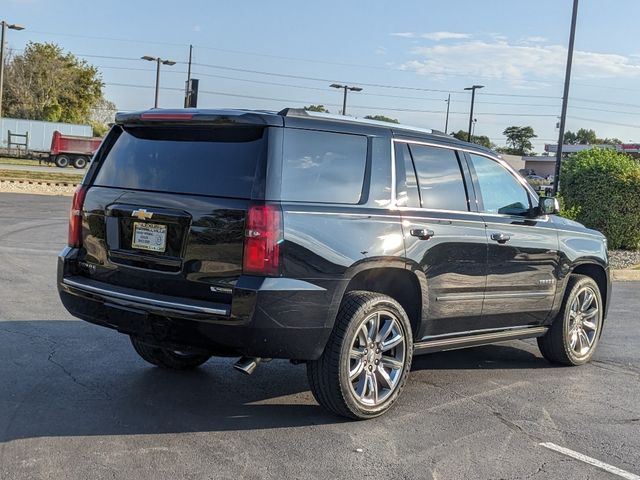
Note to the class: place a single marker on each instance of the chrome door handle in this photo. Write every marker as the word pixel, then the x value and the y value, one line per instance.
pixel 501 237
pixel 422 233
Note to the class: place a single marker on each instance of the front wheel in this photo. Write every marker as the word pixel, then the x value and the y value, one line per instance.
pixel 574 334
pixel 165 358
pixel 367 359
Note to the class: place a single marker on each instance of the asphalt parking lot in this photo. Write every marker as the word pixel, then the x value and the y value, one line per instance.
pixel 76 402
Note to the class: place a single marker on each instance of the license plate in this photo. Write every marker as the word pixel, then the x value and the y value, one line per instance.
pixel 149 236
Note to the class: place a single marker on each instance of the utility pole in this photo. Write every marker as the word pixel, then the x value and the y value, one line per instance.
pixel 10 26
pixel 473 89
pixel 344 98
pixel 565 97
pixel 158 61
pixel 446 122
pixel 187 93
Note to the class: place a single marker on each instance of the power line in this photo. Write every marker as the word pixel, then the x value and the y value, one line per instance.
pixel 619 124
pixel 315 61
pixel 307 101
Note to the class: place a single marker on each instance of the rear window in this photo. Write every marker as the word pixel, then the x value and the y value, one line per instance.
pixel 323 167
pixel 203 160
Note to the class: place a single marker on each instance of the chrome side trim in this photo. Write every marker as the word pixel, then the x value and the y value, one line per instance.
pixel 144 300
pixel 492 296
pixel 469 340
pixel 474 332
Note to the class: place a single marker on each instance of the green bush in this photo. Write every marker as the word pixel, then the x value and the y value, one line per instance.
pixel 602 189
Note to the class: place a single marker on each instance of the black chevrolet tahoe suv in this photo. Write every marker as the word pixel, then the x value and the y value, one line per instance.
pixel 349 245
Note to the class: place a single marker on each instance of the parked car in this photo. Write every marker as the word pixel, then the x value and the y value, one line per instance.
pixel 349 245
pixel 536 178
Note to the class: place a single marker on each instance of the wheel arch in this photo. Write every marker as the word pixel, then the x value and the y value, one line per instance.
pixel 395 281
pixel 598 273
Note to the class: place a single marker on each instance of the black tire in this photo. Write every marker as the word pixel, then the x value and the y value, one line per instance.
pixel 164 358
pixel 62 161
pixel 556 344
pixel 80 162
pixel 329 375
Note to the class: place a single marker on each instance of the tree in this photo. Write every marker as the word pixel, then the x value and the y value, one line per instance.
pixel 519 140
pixel 44 83
pixel 101 115
pixel 382 118
pixel 570 138
pixel 316 108
pixel 586 137
pixel 477 139
pixel 609 141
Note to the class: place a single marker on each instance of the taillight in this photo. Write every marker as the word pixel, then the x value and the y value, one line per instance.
pixel 262 239
pixel 75 217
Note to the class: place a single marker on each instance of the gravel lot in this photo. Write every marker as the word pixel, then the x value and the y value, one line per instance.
pixel 22 187
pixel 77 403
pixel 620 259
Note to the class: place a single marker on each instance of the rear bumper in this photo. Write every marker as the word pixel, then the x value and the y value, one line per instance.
pixel 268 317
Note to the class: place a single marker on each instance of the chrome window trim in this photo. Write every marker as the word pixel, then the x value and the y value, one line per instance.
pixel 393 206
pixel 394 194
pixel 393 174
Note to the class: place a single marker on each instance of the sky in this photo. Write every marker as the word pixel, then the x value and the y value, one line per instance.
pixel 408 56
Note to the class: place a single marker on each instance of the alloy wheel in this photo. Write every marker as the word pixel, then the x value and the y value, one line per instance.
pixel 376 358
pixel 584 322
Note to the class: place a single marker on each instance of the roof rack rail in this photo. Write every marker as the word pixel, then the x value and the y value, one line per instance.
pixel 301 112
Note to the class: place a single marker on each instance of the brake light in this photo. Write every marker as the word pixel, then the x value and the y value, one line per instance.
pixel 75 217
pixel 262 238
pixel 166 116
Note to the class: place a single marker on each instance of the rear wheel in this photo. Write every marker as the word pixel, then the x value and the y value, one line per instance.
pixel 574 334
pixel 367 359
pixel 165 358
pixel 80 162
pixel 62 161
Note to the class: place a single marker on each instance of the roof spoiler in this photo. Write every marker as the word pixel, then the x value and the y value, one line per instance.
pixel 194 116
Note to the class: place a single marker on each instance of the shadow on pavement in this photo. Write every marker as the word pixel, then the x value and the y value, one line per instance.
pixel 499 356
pixel 69 378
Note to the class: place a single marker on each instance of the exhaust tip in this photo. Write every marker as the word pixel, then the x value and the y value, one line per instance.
pixel 246 365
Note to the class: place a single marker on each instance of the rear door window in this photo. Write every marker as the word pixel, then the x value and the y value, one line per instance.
pixel 439 178
pixel 196 160
pixel 323 167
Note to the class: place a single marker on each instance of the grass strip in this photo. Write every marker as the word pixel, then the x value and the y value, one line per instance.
pixel 29 176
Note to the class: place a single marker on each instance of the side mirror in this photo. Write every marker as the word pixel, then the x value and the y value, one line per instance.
pixel 548 206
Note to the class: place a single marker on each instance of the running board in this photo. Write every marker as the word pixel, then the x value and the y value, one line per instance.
pixel 476 340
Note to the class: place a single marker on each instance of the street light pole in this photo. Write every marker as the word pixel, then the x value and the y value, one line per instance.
pixel 155 103
pixel 344 98
pixel 446 122
pixel 473 89
pixel 565 97
pixel 158 61
pixel 10 26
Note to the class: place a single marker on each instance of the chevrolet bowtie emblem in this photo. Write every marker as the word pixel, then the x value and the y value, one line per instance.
pixel 142 214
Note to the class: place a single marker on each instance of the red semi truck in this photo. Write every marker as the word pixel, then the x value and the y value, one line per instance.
pixel 72 150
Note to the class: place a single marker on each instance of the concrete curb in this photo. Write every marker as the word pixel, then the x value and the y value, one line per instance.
pixel 626 275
